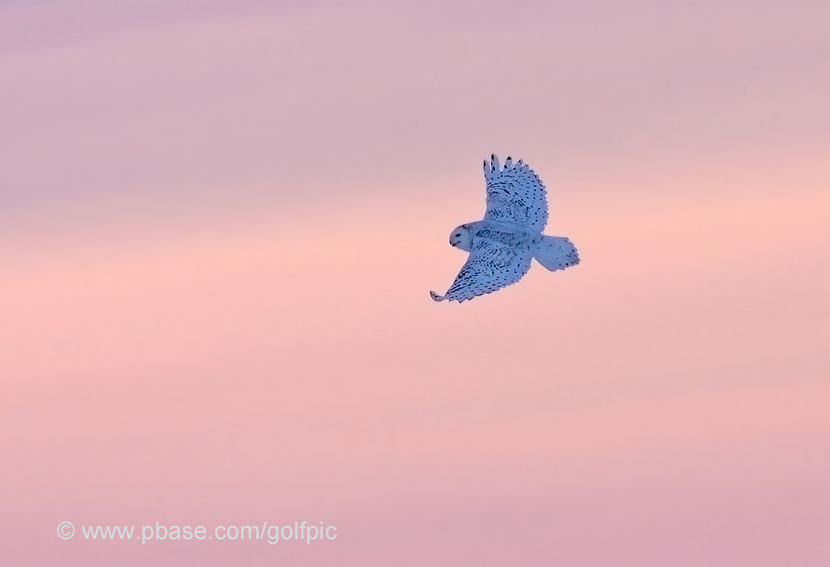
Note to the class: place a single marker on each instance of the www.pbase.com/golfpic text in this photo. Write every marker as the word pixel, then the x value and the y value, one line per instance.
pixel 273 534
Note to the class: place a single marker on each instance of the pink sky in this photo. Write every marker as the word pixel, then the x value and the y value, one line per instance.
pixel 219 227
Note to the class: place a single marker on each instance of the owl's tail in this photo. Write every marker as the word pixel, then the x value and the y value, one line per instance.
pixel 556 253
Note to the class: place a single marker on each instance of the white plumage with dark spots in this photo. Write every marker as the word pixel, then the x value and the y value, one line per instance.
pixel 504 242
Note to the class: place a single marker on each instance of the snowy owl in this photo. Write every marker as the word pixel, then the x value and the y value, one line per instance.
pixel 502 245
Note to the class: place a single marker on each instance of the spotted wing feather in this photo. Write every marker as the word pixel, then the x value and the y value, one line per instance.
pixel 515 195
pixel 491 265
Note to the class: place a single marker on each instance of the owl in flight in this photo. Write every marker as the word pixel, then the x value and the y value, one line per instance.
pixel 502 245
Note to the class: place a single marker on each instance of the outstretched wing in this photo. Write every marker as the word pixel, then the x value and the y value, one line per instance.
pixel 515 194
pixel 491 265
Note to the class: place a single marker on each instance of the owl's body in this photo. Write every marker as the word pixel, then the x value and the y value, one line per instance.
pixel 502 245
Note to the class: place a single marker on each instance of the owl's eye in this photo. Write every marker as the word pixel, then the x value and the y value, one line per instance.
pixel 459 234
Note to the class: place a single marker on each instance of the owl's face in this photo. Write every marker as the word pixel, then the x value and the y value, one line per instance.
pixel 462 238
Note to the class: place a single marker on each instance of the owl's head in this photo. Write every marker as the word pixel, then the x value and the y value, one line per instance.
pixel 462 237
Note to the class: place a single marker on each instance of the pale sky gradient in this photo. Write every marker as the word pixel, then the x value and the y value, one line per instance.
pixel 218 230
